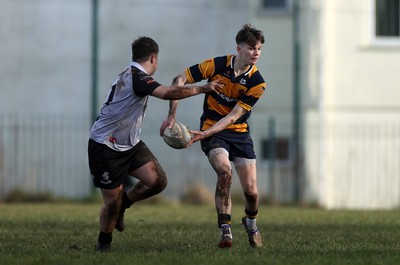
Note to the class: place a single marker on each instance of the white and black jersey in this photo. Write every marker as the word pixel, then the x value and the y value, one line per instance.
pixel 120 120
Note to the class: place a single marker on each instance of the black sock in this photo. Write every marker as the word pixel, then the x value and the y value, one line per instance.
pixel 251 214
pixel 126 202
pixel 105 238
pixel 224 219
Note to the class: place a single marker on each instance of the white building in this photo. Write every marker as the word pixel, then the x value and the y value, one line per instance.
pixel 350 64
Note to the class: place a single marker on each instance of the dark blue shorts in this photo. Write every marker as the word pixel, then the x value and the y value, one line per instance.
pixel 237 144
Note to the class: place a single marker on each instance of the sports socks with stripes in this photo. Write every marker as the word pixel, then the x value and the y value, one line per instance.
pixel 251 218
pixel 224 219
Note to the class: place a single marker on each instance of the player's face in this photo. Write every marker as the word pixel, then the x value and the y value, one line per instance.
pixel 250 54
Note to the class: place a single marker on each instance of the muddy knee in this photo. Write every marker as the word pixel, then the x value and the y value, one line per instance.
pixel 222 192
pixel 224 180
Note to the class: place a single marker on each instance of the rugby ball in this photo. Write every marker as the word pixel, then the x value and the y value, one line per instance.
pixel 178 136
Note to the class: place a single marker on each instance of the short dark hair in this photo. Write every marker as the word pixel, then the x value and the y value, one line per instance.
pixel 249 35
pixel 142 48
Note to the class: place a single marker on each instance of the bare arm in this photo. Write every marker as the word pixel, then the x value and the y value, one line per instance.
pixel 178 90
pixel 179 80
pixel 229 119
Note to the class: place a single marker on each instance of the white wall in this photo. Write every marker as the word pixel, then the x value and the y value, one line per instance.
pixel 45 55
pixel 356 112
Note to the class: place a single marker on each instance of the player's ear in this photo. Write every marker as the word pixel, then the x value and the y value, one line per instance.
pixel 153 58
pixel 238 48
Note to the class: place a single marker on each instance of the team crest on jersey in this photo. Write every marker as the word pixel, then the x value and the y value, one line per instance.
pixel 227 74
pixel 242 81
pixel 105 178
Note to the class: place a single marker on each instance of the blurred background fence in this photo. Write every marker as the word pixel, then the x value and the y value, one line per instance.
pixel 44 153
pixel 47 153
pixel 369 156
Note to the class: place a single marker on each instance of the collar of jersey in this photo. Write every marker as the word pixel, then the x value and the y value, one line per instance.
pixel 233 61
pixel 138 66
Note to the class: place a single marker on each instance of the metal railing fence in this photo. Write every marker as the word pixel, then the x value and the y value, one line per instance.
pixel 359 166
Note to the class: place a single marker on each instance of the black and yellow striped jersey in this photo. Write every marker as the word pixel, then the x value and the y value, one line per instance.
pixel 245 90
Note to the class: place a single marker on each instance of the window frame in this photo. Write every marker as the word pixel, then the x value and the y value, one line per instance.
pixel 385 41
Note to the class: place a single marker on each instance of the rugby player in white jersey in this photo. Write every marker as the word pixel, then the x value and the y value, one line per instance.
pixel 115 149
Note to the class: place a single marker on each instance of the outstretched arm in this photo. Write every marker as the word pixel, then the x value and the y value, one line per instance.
pixel 178 80
pixel 180 92
pixel 229 119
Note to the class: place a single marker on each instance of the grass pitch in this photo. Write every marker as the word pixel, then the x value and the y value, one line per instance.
pixel 178 234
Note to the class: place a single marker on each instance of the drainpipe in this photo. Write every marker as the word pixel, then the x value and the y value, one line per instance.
pixel 322 200
pixel 94 58
pixel 296 103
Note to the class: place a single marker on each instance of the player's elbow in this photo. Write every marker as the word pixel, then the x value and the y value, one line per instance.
pixel 179 80
pixel 236 116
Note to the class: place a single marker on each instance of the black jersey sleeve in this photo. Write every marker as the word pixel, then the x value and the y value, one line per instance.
pixel 143 84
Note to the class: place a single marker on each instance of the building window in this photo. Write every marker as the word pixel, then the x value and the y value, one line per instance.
pixel 387 19
pixel 277 149
pixel 276 6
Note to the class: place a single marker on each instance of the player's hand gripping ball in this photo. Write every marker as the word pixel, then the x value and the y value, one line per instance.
pixel 178 136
